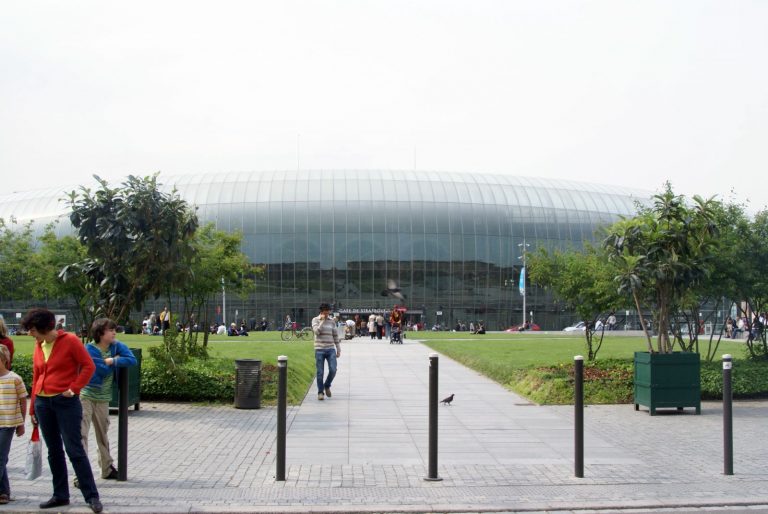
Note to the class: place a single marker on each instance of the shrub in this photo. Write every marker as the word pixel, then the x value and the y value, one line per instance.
pixel 197 380
pixel 194 380
pixel 200 380
pixel 611 381
pixel 22 366
pixel 749 379
pixel 605 381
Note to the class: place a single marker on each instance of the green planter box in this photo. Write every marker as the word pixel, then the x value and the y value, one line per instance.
pixel 667 380
pixel 134 384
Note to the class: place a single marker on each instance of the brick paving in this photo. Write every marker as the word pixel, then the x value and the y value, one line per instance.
pixel 365 450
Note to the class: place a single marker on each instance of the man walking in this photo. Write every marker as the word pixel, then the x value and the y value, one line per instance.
pixel 327 348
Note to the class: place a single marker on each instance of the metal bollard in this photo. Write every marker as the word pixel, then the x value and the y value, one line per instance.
pixel 282 394
pixel 578 416
pixel 727 416
pixel 433 384
pixel 122 425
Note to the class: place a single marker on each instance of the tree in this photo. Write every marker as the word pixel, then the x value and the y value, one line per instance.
pixel 55 255
pixel 215 257
pixel 663 252
pixel 584 281
pixel 724 285
pixel 134 236
pixel 20 276
pixel 750 287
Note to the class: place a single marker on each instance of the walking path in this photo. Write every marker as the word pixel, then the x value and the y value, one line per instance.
pixel 365 450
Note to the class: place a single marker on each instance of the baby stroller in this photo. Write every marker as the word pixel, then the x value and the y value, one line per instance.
pixel 396 334
pixel 349 332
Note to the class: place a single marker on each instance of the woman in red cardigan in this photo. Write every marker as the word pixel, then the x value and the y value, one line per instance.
pixel 61 366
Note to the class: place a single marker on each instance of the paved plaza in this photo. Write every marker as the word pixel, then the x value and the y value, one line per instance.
pixel 365 450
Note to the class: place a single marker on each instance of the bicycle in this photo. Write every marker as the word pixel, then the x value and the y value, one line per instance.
pixel 290 331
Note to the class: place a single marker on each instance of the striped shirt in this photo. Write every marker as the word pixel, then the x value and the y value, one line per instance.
pixel 103 392
pixel 326 334
pixel 11 391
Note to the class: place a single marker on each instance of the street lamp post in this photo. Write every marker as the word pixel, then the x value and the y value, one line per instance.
pixel 223 304
pixel 523 247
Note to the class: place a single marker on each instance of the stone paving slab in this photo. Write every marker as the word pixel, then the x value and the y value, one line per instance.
pixel 365 450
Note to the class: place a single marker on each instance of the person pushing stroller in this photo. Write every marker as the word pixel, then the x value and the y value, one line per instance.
pixel 395 326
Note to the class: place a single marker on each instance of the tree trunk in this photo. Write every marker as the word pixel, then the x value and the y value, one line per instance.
pixel 642 322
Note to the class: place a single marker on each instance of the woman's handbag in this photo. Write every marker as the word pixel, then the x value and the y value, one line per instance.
pixel 34 466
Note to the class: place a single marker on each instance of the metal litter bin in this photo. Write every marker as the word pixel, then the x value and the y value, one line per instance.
pixel 134 384
pixel 247 384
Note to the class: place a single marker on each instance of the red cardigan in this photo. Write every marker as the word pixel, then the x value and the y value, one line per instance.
pixel 69 367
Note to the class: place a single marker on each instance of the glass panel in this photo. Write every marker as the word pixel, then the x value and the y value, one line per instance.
pixel 314 216
pixel 260 221
pixel 339 218
pixel 326 218
pixel 249 222
pixel 289 211
pixel 458 222
pixel 451 193
pixel 443 212
pixel 423 192
pixel 263 191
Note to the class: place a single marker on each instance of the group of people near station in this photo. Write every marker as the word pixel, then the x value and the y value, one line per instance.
pixel 71 390
pixel 154 324
pixel 741 327
pixel 376 325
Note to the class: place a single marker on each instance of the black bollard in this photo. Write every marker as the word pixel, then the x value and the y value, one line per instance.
pixel 433 385
pixel 282 394
pixel 122 425
pixel 578 415
pixel 727 416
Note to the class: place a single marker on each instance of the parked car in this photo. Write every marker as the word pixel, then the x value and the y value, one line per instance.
pixel 575 328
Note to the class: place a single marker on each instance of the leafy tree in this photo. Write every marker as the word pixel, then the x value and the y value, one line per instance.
pixel 583 280
pixel 20 276
pixel 725 282
pixel 55 255
pixel 134 236
pixel 750 288
pixel 663 252
pixel 215 257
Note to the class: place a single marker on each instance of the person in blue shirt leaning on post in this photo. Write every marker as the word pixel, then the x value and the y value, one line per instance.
pixel 108 354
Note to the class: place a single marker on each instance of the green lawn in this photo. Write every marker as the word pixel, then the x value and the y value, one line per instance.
pixel 258 345
pixel 539 366
pixel 524 350
pixel 535 365
pixel 265 346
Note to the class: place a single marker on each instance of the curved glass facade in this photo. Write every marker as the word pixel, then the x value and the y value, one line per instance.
pixel 450 242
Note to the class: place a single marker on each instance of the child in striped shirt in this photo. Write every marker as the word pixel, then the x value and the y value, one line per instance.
pixel 13 410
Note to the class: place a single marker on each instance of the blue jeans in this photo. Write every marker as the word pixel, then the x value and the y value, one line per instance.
pixel 6 437
pixel 321 356
pixel 59 419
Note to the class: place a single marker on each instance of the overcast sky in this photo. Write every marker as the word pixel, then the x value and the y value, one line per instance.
pixel 617 92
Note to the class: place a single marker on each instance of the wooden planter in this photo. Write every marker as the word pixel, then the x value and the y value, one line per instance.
pixel 667 380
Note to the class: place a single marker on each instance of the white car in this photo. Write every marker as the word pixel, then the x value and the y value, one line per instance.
pixel 574 328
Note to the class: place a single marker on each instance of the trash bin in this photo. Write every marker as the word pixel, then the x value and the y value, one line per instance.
pixel 134 384
pixel 247 384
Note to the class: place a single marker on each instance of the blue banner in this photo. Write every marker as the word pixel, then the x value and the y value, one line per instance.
pixel 522 281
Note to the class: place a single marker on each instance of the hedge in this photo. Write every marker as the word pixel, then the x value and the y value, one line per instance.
pixel 198 380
